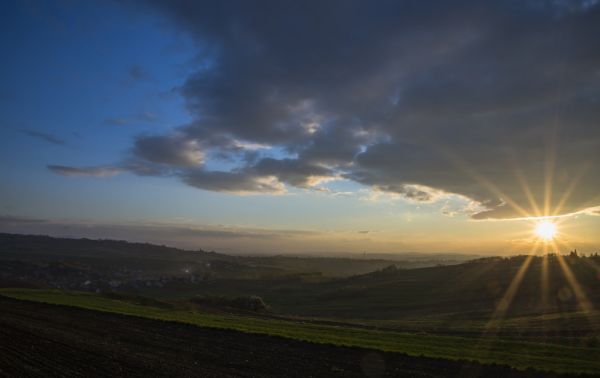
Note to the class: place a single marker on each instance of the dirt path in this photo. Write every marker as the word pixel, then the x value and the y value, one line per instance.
pixel 40 340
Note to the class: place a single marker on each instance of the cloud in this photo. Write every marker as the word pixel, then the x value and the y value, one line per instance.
pixel 292 171
pixel 10 220
pixel 143 117
pixel 147 117
pixel 490 101
pixel 233 182
pixel 116 121
pixel 136 73
pixel 101 171
pixel 173 150
pixel 416 193
pixel 47 137
pixel 180 233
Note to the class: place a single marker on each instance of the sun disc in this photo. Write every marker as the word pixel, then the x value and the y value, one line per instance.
pixel 545 230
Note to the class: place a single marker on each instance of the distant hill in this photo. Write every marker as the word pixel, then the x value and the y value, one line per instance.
pixel 332 287
pixel 480 285
pixel 152 260
pixel 478 288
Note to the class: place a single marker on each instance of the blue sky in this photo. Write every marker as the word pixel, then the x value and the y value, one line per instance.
pixel 393 128
pixel 67 73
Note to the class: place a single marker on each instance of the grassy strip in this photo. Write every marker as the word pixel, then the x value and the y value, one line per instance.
pixel 566 322
pixel 521 355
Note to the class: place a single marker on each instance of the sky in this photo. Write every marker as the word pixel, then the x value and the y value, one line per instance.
pixel 303 127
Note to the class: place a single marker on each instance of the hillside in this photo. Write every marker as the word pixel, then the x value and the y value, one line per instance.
pixel 473 289
pixel 479 286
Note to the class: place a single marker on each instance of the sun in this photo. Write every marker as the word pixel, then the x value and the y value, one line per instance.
pixel 545 230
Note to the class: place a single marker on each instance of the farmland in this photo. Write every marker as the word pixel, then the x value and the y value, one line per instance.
pixel 519 354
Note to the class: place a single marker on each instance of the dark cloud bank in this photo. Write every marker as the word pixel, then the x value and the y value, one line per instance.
pixel 478 98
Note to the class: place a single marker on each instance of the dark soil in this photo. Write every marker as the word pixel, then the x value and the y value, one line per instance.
pixel 41 340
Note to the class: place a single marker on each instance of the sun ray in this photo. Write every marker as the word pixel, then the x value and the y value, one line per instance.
pixel 595 266
pixel 593 202
pixel 495 190
pixel 550 152
pixel 485 340
pixel 473 274
pixel 582 299
pixel 545 281
pixel 470 171
pixel 548 178
pixel 567 194
pixel 513 287
pixel 527 190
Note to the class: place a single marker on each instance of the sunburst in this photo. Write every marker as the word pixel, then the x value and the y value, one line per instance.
pixel 545 230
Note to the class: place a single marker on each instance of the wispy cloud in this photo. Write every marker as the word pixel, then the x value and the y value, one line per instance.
pixel 141 118
pixel 101 171
pixel 147 117
pixel 47 137
pixel 136 73
pixel 10 220
pixel 116 121
pixel 186 234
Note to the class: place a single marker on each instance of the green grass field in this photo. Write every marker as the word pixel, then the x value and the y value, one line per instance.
pixel 519 354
